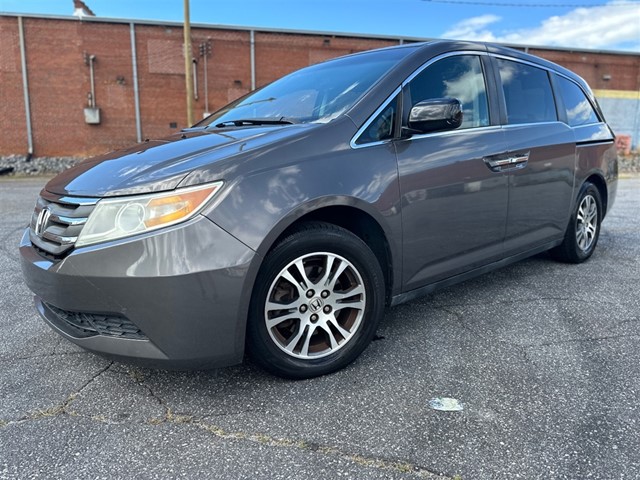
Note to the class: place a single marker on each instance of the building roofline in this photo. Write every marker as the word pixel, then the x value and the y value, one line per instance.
pixel 398 38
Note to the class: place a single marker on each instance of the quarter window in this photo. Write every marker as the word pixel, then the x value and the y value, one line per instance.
pixel 578 108
pixel 382 127
pixel 455 77
pixel 527 93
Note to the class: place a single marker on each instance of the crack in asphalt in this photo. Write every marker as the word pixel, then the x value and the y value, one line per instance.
pixel 53 353
pixel 229 414
pixel 460 319
pixel 42 355
pixel 171 418
pixel 583 340
pixel 61 408
pixel 139 379
pixel 372 462
pixel 184 419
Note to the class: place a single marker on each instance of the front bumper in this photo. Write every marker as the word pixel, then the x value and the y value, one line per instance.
pixel 180 295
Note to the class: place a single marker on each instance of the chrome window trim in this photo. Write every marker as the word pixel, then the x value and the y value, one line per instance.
pixel 446 133
pixel 519 60
pixel 537 65
pixel 479 53
pixel 531 124
pixel 426 65
pixel 415 73
pixel 534 65
pixel 419 70
pixel 560 74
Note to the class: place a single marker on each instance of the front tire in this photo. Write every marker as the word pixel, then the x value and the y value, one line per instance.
pixel 582 233
pixel 316 304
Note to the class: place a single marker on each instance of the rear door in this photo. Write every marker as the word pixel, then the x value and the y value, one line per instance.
pixel 540 160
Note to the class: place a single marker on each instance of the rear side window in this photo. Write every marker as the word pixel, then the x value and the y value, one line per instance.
pixel 579 109
pixel 455 77
pixel 527 93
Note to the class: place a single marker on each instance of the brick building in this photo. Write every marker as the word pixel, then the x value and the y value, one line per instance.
pixel 46 65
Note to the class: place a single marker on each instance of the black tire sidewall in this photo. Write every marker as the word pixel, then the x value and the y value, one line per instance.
pixel 329 239
pixel 587 189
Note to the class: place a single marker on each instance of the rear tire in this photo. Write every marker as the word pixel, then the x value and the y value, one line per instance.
pixel 582 233
pixel 316 304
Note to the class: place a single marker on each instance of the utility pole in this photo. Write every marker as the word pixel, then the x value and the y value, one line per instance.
pixel 187 63
pixel 205 52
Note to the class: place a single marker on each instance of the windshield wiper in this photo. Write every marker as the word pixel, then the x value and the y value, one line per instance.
pixel 255 121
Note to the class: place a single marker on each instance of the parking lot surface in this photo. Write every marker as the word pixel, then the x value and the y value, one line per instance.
pixel 544 357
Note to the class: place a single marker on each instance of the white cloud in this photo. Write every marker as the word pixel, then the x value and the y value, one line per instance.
pixel 473 28
pixel 606 26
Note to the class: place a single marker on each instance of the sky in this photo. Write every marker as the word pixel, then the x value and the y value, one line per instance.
pixel 591 24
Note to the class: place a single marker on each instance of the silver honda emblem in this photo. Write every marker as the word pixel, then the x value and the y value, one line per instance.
pixel 315 304
pixel 42 221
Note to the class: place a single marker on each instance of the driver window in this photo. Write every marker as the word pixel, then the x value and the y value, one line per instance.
pixel 455 77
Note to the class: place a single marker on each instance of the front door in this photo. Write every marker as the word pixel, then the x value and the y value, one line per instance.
pixel 454 206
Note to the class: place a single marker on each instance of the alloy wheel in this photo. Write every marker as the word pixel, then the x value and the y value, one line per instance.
pixel 586 222
pixel 315 305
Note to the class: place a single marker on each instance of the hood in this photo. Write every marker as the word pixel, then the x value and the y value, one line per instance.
pixel 158 165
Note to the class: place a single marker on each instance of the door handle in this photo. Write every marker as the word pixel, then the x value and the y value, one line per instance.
pixel 518 160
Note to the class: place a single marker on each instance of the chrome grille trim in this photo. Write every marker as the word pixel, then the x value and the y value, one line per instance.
pixel 68 220
pixel 59 239
pixel 74 201
pixel 61 225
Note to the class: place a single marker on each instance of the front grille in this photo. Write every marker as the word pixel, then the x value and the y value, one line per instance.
pixel 90 324
pixel 56 223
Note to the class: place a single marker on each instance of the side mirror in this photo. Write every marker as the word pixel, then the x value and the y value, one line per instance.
pixel 434 115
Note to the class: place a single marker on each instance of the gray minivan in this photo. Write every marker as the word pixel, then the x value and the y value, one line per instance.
pixel 288 220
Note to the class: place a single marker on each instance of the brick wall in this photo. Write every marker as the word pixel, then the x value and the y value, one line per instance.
pixel 13 138
pixel 623 71
pixel 57 49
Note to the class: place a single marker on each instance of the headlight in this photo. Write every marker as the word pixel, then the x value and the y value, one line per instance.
pixel 125 216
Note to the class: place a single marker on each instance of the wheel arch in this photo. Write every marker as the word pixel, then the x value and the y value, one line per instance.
pixel 599 182
pixel 350 214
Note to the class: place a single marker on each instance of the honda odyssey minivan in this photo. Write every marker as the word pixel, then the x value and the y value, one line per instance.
pixel 285 223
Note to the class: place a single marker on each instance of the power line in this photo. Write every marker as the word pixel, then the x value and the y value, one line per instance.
pixel 535 5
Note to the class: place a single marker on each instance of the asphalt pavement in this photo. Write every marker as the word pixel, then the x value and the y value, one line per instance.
pixel 544 358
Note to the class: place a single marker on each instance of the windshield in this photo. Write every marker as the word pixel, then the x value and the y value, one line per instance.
pixel 318 93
